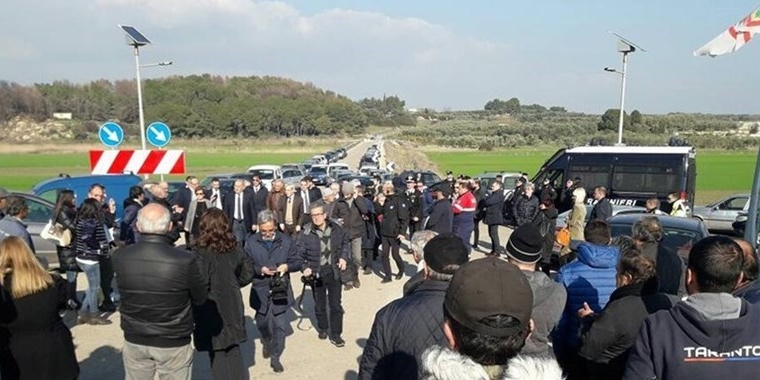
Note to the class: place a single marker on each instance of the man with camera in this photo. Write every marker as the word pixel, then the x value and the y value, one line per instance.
pixel 324 247
pixel 274 257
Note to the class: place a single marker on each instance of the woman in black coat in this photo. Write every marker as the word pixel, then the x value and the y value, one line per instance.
pixel 608 337
pixel 546 222
pixel 65 213
pixel 35 344
pixel 220 322
pixel 494 215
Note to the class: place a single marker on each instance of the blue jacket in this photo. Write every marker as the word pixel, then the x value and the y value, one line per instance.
pixel 12 226
pixel 589 278
pixel 281 251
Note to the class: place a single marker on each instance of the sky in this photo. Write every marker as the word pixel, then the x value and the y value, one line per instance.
pixel 438 54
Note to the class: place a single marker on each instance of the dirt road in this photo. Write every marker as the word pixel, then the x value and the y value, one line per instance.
pixel 98 348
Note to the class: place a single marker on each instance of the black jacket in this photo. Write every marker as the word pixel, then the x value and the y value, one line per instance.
pixel 258 202
pixel 229 209
pixel 494 206
pixel 524 209
pixel 309 248
pixel 402 331
pixel 602 210
pixel 414 203
pixel 282 251
pixel 352 216
pixel 220 321
pixel 671 269
pixel 546 222
pixel 606 342
pixel 127 232
pixel 441 219
pixel 158 283
pixel 395 216
pixel 67 255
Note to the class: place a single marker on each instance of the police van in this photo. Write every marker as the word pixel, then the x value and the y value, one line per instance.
pixel 631 174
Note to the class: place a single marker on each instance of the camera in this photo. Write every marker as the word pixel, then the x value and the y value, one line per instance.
pixel 278 287
pixel 310 280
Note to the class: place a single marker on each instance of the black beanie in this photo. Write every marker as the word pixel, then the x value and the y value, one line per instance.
pixel 525 244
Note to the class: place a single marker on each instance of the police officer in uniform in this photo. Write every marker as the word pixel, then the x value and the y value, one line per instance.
pixel 414 203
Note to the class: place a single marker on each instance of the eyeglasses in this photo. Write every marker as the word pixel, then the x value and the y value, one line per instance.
pixel 268 231
pixel 256 180
pixel 320 214
pixel 200 193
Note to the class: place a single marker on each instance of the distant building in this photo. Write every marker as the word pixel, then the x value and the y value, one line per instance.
pixel 62 115
pixel 413 110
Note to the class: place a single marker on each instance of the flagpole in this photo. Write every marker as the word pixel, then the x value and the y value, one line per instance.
pixel 622 99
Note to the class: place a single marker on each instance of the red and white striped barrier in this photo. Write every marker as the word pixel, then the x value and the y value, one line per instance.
pixel 137 161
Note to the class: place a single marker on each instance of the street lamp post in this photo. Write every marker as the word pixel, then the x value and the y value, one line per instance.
pixel 136 40
pixel 625 47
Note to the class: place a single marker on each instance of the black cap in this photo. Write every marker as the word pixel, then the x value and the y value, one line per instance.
pixel 443 187
pixel 410 179
pixel 444 250
pixel 525 244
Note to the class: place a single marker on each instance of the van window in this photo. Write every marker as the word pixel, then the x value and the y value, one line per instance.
pixel 649 178
pixel 591 175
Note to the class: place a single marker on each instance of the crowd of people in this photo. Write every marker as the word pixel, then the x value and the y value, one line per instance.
pixel 617 308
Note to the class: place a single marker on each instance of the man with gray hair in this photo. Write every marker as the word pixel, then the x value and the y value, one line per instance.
pixel 350 212
pixel 12 224
pixel 159 284
pixel 418 242
pixel 406 327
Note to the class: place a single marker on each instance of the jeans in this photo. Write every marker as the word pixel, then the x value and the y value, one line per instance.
pixel 391 246
pixel 144 362
pixel 327 289
pixel 92 272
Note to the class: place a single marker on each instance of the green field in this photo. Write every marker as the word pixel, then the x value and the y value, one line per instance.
pixel 718 172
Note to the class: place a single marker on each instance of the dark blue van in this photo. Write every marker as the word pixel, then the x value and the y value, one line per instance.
pixel 117 187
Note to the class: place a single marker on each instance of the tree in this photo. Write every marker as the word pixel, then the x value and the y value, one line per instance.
pixel 512 106
pixel 610 120
pixel 636 118
pixel 498 106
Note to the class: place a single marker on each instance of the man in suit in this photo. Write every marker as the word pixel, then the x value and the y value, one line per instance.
pixel 238 212
pixel 259 194
pixel 309 194
pixel 290 212
pixel 185 195
pixel 215 194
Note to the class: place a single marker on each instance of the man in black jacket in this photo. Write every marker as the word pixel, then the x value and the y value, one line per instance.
pixel 441 217
pixel 237 206
pixel 350 211
pixel 406 327
pixel 414 202
pixel 159 284
pixel 392 229
pixel 259 194
pixel 324 247
pixel 602 208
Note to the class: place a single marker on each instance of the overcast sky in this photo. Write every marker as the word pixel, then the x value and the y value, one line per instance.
pixel 432 53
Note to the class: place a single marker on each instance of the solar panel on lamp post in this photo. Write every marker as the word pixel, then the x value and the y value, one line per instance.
pixel 136 40
pixel 625 47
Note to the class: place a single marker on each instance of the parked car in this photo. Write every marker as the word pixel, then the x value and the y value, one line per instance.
pixel 336 174
pixel 616 209
pixel 508 179
pixel 318 174
pixel 720 215
pixel 225 178
pixel 679 233
pixel 174 187
pixel 292 176
pixel 363 180
pixel 267 173
pixel 300 167
pixel 333 167
pixel 40 212
pixel 117 187
pixel 428 178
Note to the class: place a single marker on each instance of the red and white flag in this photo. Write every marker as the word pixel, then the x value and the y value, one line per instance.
pixel 734 38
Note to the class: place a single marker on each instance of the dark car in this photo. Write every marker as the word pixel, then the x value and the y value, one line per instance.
pixel 679 233
pixel 363 180
pixel 318 174
pixel 428 178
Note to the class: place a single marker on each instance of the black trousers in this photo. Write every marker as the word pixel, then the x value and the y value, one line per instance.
pixel 272 330
pixel 493 233
pixel 228 364
pixel 391 246
pixel 476 233
pixel 368 256
pixel 240 231
pixel 106 277
pixel 327 289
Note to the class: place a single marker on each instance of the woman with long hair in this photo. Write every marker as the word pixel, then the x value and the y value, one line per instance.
pixel 220 322
pixel 608 337
pixel 35 344
pixel 65 213
pixel 198 207
pixel 91 244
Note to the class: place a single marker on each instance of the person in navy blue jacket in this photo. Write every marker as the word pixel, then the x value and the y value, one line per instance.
pixel 273 255
pixel 590 278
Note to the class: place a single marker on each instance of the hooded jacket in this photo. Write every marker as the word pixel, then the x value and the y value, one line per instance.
pixel 682 343
pixel 549 300
pixel 590 278
pixel 440 363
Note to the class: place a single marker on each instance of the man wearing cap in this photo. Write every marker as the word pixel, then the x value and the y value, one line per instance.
pixel 487 318
pixel 414 202
pixel 441 217
pixel 406 327
pixel 524 251
pixel 3 201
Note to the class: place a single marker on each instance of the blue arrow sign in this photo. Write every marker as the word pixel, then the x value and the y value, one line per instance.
pixel 158 134
pixel 111 134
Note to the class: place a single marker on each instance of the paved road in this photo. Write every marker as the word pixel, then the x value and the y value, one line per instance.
pixel 99 347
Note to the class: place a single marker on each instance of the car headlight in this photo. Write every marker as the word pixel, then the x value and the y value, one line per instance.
pixel 741 218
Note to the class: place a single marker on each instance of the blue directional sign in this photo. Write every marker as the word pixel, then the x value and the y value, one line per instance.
pixel 158 134
pixel 111 134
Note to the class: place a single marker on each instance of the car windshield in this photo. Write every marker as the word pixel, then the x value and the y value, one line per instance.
pixel 318 170
pixel 678 240
pixel 263 173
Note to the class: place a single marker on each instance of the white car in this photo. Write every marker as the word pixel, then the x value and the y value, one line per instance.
pixel 720 215
pixel 267 173
pixel 335 166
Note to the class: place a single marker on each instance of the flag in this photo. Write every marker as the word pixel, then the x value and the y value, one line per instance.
pixel 734 38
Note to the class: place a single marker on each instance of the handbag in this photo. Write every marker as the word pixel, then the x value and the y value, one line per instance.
pixel 56 233
pixel 563 236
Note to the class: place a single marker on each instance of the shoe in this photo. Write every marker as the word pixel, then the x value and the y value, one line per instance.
pixel 367 270
pixel 348 286
pixel 400 275
pixel 357 283
pixel 265 349
pixel 322 335
pixel 385 280
pixel 83 318
pixel 96 319
pixel 338 341
pixel 107 307
pixel 276 365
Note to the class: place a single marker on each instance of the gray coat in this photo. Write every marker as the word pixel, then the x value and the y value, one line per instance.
pixel 549 300
pixel 12 226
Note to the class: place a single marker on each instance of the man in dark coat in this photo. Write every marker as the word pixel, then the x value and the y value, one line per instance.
pixel 238 210
pixel 647 233
pixel 406 327
pixel 273 256
pixel 602 208
pixel 414 203
pixel 159 283
pixel 441 217
pixel 351 210
pixel 325 250
pixel 525 205
pixel 259 195
pixel 480 194
pixel 494 216
pixel 395 214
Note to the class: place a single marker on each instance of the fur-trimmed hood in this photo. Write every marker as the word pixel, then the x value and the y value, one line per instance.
pixel 440 363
